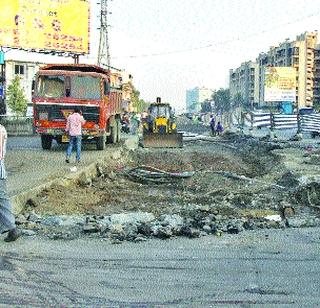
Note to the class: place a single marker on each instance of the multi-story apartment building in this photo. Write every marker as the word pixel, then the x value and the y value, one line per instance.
pixel 195 97
pixel 316 81
pixel 299 54
pixel 245 81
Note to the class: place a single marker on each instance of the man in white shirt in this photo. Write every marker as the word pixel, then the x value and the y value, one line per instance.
pixel 7 220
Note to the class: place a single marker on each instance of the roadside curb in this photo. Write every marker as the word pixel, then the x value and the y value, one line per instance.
pixel 19 201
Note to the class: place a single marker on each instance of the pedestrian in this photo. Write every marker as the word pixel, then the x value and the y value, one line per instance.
pixel 212 125
pixel 74 130
pixel 219 128
pixel 7 220
pixel 134 121
pixel 125 123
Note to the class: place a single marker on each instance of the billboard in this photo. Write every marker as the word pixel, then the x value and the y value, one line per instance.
pixel 280 84
pixel 59 25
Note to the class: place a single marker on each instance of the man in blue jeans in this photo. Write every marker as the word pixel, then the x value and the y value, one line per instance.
pixel 74 130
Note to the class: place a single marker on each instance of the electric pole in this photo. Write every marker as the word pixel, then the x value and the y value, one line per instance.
pixel 104 50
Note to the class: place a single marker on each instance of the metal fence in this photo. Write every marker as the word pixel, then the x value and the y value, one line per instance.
pixel 285 121
pixel 302 123
pixel 310 123
pixel 18 126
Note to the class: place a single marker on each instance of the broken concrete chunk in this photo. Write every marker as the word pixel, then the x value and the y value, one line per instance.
pixel 91 228
pixel 21 219
pixel 33 217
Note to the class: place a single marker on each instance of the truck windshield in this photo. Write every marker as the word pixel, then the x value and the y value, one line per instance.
pixel 85 87
pixel 51 86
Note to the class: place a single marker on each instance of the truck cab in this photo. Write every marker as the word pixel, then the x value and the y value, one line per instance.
pixel 59 88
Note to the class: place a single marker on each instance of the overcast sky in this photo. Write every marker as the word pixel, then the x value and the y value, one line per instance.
pixel 173 45
pixel 233 30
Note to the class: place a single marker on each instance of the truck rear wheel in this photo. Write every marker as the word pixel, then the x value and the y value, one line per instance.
pixel 46 142
pixel 101 143
pixel 113 134
pixel 118 130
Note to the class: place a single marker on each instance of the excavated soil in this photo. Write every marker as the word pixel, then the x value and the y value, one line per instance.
pixel 234 176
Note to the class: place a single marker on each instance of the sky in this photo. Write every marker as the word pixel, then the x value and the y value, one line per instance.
pixel 170 46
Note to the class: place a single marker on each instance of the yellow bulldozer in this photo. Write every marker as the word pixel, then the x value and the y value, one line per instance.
pixel 159 127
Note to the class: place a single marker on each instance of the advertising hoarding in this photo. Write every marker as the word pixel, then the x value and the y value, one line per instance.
pixel 280 84
pixel 59 25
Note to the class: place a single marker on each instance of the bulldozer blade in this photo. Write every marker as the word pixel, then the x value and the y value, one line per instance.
pixel 162 140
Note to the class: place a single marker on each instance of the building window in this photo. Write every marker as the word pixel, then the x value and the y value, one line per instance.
pixel 19 69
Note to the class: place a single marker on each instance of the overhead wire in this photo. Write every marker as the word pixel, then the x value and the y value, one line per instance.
pixel 222 42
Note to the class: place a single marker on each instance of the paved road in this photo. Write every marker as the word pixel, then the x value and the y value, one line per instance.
pixel 28 165
pixel 265 268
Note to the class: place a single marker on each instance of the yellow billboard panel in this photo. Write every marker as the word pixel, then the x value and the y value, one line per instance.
pixel 59 25
pixel 280 84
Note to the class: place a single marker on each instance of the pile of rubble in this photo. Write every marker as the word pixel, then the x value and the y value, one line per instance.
pixel 205 188
pixel 138 226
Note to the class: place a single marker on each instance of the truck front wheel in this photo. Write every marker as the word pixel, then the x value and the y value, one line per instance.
pixel 113 134
pixel 46 142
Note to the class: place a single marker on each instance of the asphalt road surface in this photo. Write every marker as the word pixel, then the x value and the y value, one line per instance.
pixel 261 269
pixel 29 166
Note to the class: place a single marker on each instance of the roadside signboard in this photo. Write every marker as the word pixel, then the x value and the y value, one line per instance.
pixel 57 25
pixel 280 84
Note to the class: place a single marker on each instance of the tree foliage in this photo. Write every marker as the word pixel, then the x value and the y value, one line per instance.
pixel 206 106
pixel 238 100
pixel 222 100
pixel 138 104
pixel 16 99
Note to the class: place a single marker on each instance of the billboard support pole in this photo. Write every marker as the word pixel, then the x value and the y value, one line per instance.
pixel 76 59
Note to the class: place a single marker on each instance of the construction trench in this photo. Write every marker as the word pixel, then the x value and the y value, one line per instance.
pixel 211 186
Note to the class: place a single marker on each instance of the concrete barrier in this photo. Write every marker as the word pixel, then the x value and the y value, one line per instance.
pixel 18 126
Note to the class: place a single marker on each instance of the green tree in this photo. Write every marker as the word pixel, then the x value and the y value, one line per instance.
pixel 238 100
pixel 16 99
pixel 137 103
pixel 206 106
pixel 222 100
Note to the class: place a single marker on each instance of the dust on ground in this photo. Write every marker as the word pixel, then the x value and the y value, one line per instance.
pixel 234 176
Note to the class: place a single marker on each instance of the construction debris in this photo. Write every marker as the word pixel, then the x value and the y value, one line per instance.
pixel 154 175
pixel 209 188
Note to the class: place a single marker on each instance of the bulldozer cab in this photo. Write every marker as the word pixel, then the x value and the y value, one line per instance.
pixel 159 110
pixel 160 128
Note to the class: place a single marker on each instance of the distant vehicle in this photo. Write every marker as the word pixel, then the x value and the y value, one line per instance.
pixel 59 88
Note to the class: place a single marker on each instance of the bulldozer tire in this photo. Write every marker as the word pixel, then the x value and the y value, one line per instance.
pixel 101 143
pixel 46 142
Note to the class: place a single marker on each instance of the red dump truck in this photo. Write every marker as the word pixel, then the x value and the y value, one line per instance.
pixel 59 88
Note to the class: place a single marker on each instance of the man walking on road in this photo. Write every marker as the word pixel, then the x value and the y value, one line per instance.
pixel 7 220
pixel 74 130
pixel 212 125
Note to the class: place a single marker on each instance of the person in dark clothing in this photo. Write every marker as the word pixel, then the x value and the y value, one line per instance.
pixel 212 125
pixel 219 128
